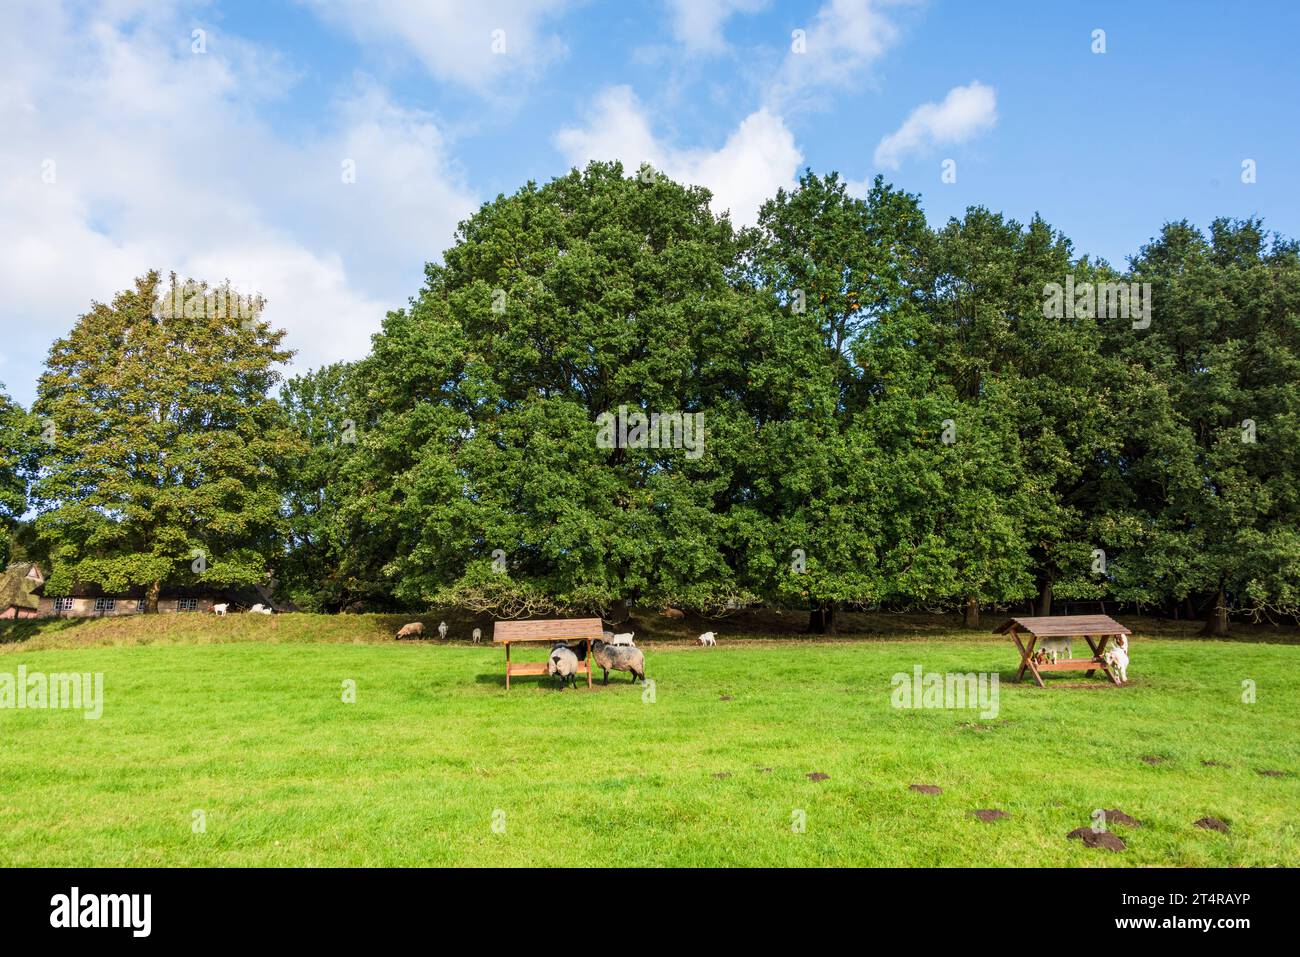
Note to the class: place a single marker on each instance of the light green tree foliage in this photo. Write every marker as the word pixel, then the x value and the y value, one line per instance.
pixel 166 447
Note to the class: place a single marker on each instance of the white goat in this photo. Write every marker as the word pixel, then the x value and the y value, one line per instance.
pixel 478 635
pixel 1116 658
pixel 624 639
pixel 221 609
pixel 708 639
pixel 442 629
pixel 260 609
pixel 1055 647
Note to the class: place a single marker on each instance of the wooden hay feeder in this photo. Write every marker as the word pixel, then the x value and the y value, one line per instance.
pixel 1096 630
pixel 562 629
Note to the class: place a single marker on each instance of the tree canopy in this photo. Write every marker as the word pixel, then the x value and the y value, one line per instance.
pixel 164 448
pixel 605 395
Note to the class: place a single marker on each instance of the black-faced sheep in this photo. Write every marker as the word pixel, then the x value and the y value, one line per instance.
pixel 619 658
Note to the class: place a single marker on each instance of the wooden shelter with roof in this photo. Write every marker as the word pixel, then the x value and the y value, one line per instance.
pixel 1096 630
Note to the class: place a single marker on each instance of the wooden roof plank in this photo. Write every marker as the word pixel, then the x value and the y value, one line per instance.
pixel 1065 626
pixel 557 629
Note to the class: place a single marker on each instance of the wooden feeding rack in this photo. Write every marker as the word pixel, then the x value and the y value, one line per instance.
pixel 1088 627
pixel 559 629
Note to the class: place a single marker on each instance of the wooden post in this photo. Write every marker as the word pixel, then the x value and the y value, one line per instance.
pixel 507 666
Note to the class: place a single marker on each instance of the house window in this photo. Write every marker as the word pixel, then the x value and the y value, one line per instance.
pixel 105 604
pixel 62 604
pixel 187 604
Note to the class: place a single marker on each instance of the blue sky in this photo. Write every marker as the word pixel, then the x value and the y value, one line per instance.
pixel 133 144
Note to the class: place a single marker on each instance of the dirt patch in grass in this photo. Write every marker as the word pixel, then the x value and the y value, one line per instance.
pixel 725 697
pixel 1153 759
pixel 1275 774
pixel 1102 839
pixel 1116 816
pixel 1212 824
pixel 722 775
pixel 991 814
pixel 1214 764
pixel 818 776
pixel 925 788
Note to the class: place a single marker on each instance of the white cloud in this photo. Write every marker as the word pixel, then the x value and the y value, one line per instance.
pixel 758 157
pixel 698 24
pixel 162 161
pixel 964 112
pixel 844 39
pixel 457 40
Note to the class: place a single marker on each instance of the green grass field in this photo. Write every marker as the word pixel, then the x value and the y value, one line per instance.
pixel 243 719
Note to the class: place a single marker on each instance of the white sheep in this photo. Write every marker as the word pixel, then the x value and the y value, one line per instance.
pixel 260 609
pixel 708 639
pixel 622 639
pixel 478 635
pixel 563 664
pixel 220 610
pixel 442 629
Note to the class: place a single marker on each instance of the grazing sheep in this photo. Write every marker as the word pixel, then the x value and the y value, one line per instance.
pixel 413 630
pixel 673 613
pixel 442 629
pixel 1116 657
pixel 220 610
pixel 708 639
pixel 478 635
pixel 563 664
pixel 619 658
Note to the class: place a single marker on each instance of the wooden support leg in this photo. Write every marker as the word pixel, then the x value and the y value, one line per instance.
pixel 588 664
pixel 1098 652
pixel 1027 659
pixel 507 666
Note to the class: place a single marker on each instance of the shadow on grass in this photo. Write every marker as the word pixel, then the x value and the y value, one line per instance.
pixel 15 632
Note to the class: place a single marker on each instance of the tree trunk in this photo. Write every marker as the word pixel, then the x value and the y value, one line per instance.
pixel 971 615
pixel 1044 598
pixel 821 620
pixel 1216 622
pixel 151 598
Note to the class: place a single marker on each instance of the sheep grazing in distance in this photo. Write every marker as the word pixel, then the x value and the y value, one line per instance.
pixel 442 629
pixel 220 610
pixel 619 658
pixel 413 630
pixel 1116 658
pixel 708 639
pixel 563 664
pixel 478 635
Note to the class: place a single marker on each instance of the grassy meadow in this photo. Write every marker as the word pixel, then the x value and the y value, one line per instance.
pixel 243 719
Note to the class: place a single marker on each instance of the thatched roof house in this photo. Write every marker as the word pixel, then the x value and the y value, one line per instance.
pixel 20 591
